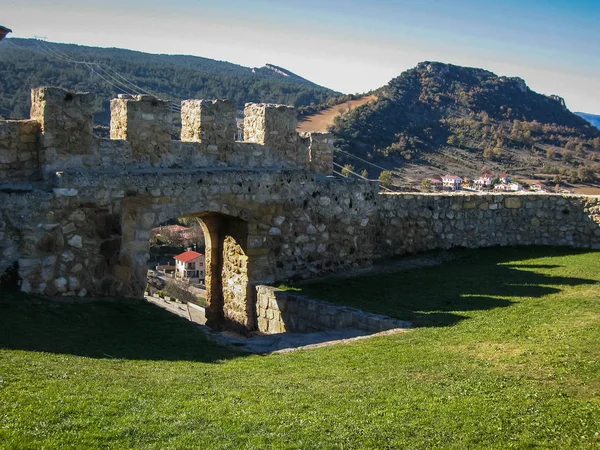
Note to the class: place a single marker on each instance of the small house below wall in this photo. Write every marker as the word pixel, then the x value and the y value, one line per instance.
pixel 189 266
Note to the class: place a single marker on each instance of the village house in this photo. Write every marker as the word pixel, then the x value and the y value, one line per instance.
pixel 504 178
pixel 485 181
pixel 452 182
pixel 516 186
pixel 189 266
pixel 436 184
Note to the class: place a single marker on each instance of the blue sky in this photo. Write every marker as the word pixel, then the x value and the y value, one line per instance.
pixel 350 46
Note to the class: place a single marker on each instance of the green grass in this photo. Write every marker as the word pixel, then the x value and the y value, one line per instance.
pixel 505 354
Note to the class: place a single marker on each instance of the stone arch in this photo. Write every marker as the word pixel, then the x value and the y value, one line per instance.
pixel 230 275
pixel 230 296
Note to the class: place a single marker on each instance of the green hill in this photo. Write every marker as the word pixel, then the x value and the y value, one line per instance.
pixel 25 63
pixel 438 113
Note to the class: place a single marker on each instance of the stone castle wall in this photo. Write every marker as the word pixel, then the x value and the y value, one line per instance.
pixel 413 223
pixel 78 210
pixel 19 153
pixel 141 136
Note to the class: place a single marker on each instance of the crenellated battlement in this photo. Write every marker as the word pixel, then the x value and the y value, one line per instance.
pixel 141 119
pixel 60 137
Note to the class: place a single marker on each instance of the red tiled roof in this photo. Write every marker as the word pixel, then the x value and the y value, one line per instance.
pixel 187 256
pixel 452 177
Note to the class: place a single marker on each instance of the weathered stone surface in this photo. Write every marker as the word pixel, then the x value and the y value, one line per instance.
pixel 269 216
pixel 18 152
pixel 279 311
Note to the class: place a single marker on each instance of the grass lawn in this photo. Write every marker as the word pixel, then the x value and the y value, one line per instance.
pixel 505 354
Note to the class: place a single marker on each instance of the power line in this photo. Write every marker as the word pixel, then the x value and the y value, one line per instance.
pixel 125 86
pixel 359 176
pixel 360 159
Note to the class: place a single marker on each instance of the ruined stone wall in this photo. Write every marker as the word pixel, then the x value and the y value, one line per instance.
pixel 299 225
pixel 83 227
pixel 212 122
pixel 275 126
pixel 143 120
pixel 413 223
pixel 18 149
pixel 66 123
pixel 97 225
pixel 280 311
pixel 234 276
pixel 319 148
pixel 141 136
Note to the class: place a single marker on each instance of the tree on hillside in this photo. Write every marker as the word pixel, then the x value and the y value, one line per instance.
pixel 364 173
pixel 586 175
pixel 385 178
pixel 347 169
pixel 426 185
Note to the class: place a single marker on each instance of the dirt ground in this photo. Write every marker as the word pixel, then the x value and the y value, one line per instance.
pixel 320 121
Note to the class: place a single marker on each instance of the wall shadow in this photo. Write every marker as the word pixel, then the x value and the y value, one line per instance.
pixel 436 296
pixel 107 329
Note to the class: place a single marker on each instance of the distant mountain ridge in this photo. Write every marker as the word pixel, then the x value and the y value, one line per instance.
pixel 591 118
pixel 25 63
pixel 272 70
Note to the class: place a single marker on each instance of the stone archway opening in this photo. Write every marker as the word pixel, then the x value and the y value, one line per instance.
pixel 220 274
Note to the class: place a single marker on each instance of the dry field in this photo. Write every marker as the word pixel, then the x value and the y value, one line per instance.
pixel 320 121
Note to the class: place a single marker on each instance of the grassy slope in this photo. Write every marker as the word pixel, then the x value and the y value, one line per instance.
pixel 517 368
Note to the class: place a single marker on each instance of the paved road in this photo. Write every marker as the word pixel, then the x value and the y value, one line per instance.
pixel 274 343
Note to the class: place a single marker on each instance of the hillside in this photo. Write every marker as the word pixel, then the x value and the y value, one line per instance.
pixel 439 117
pixel 591 118
pixel 25 63
pixel 322 120
pixel 271 70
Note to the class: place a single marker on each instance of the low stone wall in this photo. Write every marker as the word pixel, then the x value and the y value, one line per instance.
pixel 18 151
pixel 411 223
pixel 284 311
pixel 197 314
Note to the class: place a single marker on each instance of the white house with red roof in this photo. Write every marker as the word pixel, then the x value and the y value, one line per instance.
pixel 485 181
pixel 436 183
pixel 504 178
pixel 452 182
pixel 189 266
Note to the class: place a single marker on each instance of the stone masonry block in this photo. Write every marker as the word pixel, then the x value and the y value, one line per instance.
pixel 66 120
pixel 212 122
pixel 144 120
pixel 275 127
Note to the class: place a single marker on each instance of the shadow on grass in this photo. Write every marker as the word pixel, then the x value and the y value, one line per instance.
pixel 435 296
pixel 123 329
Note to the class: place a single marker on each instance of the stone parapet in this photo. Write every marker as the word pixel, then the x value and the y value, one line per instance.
pixel 320 149
pixel 143 120
pixel 412 223
pixel 66 120
pixel 141 137
pixel 275 126
pixel 18 150
pixel 281 311
pixel 212 122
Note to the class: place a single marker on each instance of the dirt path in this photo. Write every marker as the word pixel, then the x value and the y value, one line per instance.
pixel 321 120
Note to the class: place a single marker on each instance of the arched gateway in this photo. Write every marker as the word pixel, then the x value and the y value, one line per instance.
pixel 77 210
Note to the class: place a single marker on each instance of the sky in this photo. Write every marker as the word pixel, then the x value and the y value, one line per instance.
pixel 350 46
